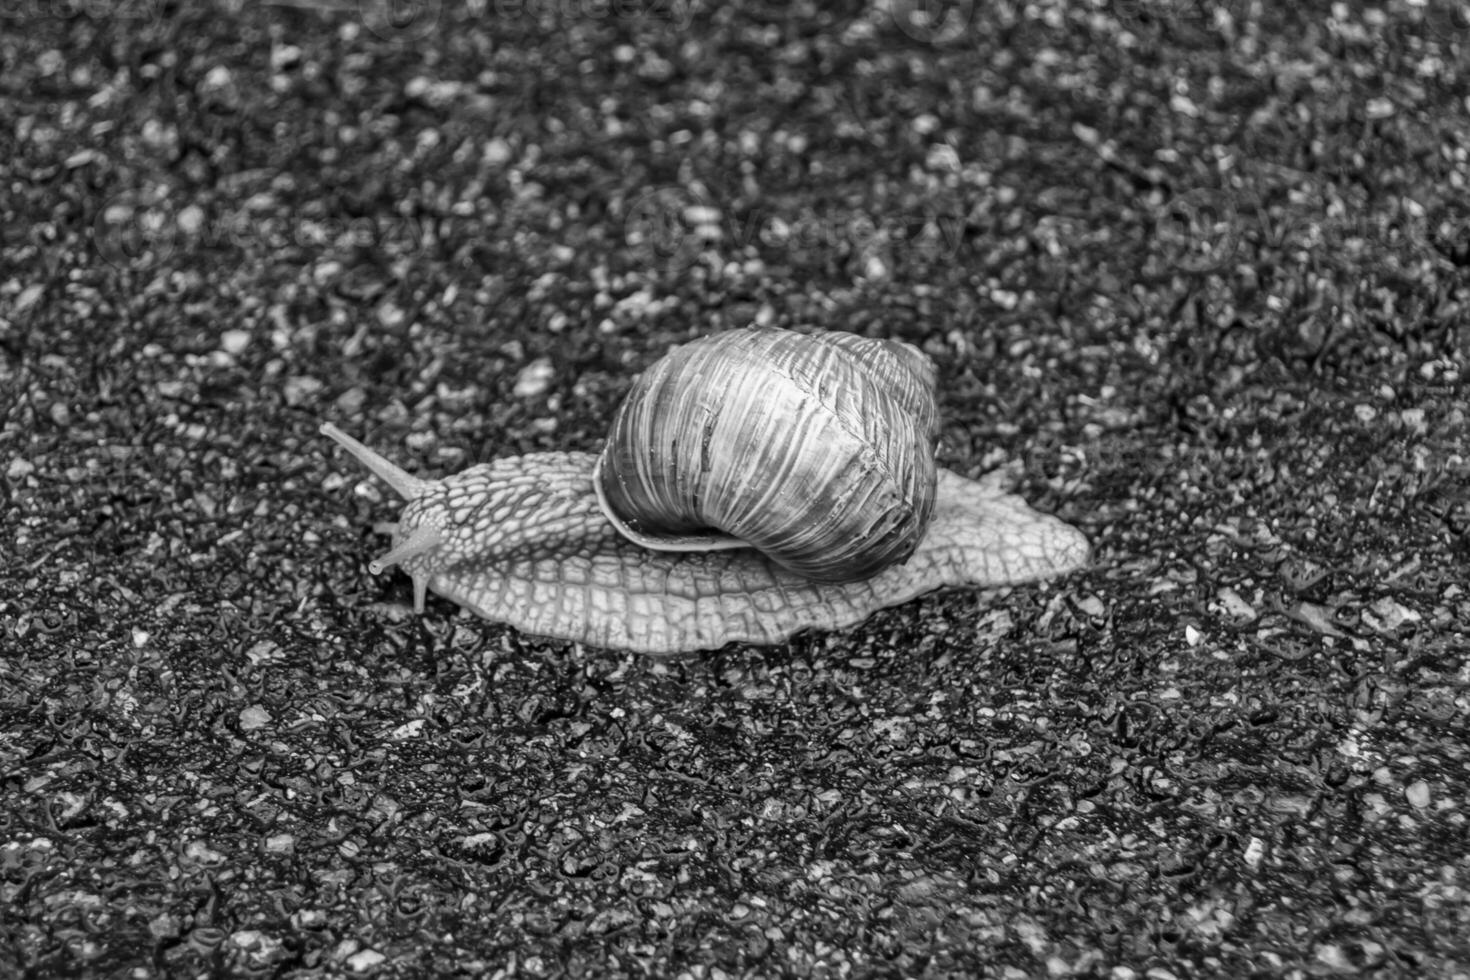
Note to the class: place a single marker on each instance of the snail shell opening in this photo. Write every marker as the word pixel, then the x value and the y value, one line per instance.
pixel 815 449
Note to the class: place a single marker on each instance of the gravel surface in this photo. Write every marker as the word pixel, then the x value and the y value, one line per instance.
pixel 1198 273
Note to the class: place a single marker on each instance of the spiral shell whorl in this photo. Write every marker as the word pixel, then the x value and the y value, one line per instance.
pixel 817 450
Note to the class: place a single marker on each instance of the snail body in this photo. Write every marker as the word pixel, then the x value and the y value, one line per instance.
pixel 526 540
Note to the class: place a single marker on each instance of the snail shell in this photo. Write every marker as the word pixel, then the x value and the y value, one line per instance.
pixel 816 450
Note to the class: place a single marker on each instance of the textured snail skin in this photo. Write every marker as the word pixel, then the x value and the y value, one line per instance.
pixel 522 541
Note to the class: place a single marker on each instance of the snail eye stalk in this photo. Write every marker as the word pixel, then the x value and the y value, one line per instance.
pixel 421 539
pixel 405 484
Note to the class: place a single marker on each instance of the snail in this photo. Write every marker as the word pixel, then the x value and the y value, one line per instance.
pixel 754 484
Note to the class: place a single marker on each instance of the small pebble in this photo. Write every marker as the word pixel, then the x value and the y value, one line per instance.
pixel 254 717
pixel 218 77
pixel 234 341
pixel 535 378
pixel 1234 606
pixel 1092 607
pixel 364 961
pixel 28 297
pixel 496 153
pixel 191 219
pixel 1387 615
pixel 1417 793
pixel 1254 852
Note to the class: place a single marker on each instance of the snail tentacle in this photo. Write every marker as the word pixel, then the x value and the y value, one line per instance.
pixel 422 540
pixel 405 484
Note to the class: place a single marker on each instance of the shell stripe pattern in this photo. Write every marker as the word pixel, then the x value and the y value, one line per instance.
pixel 815 449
